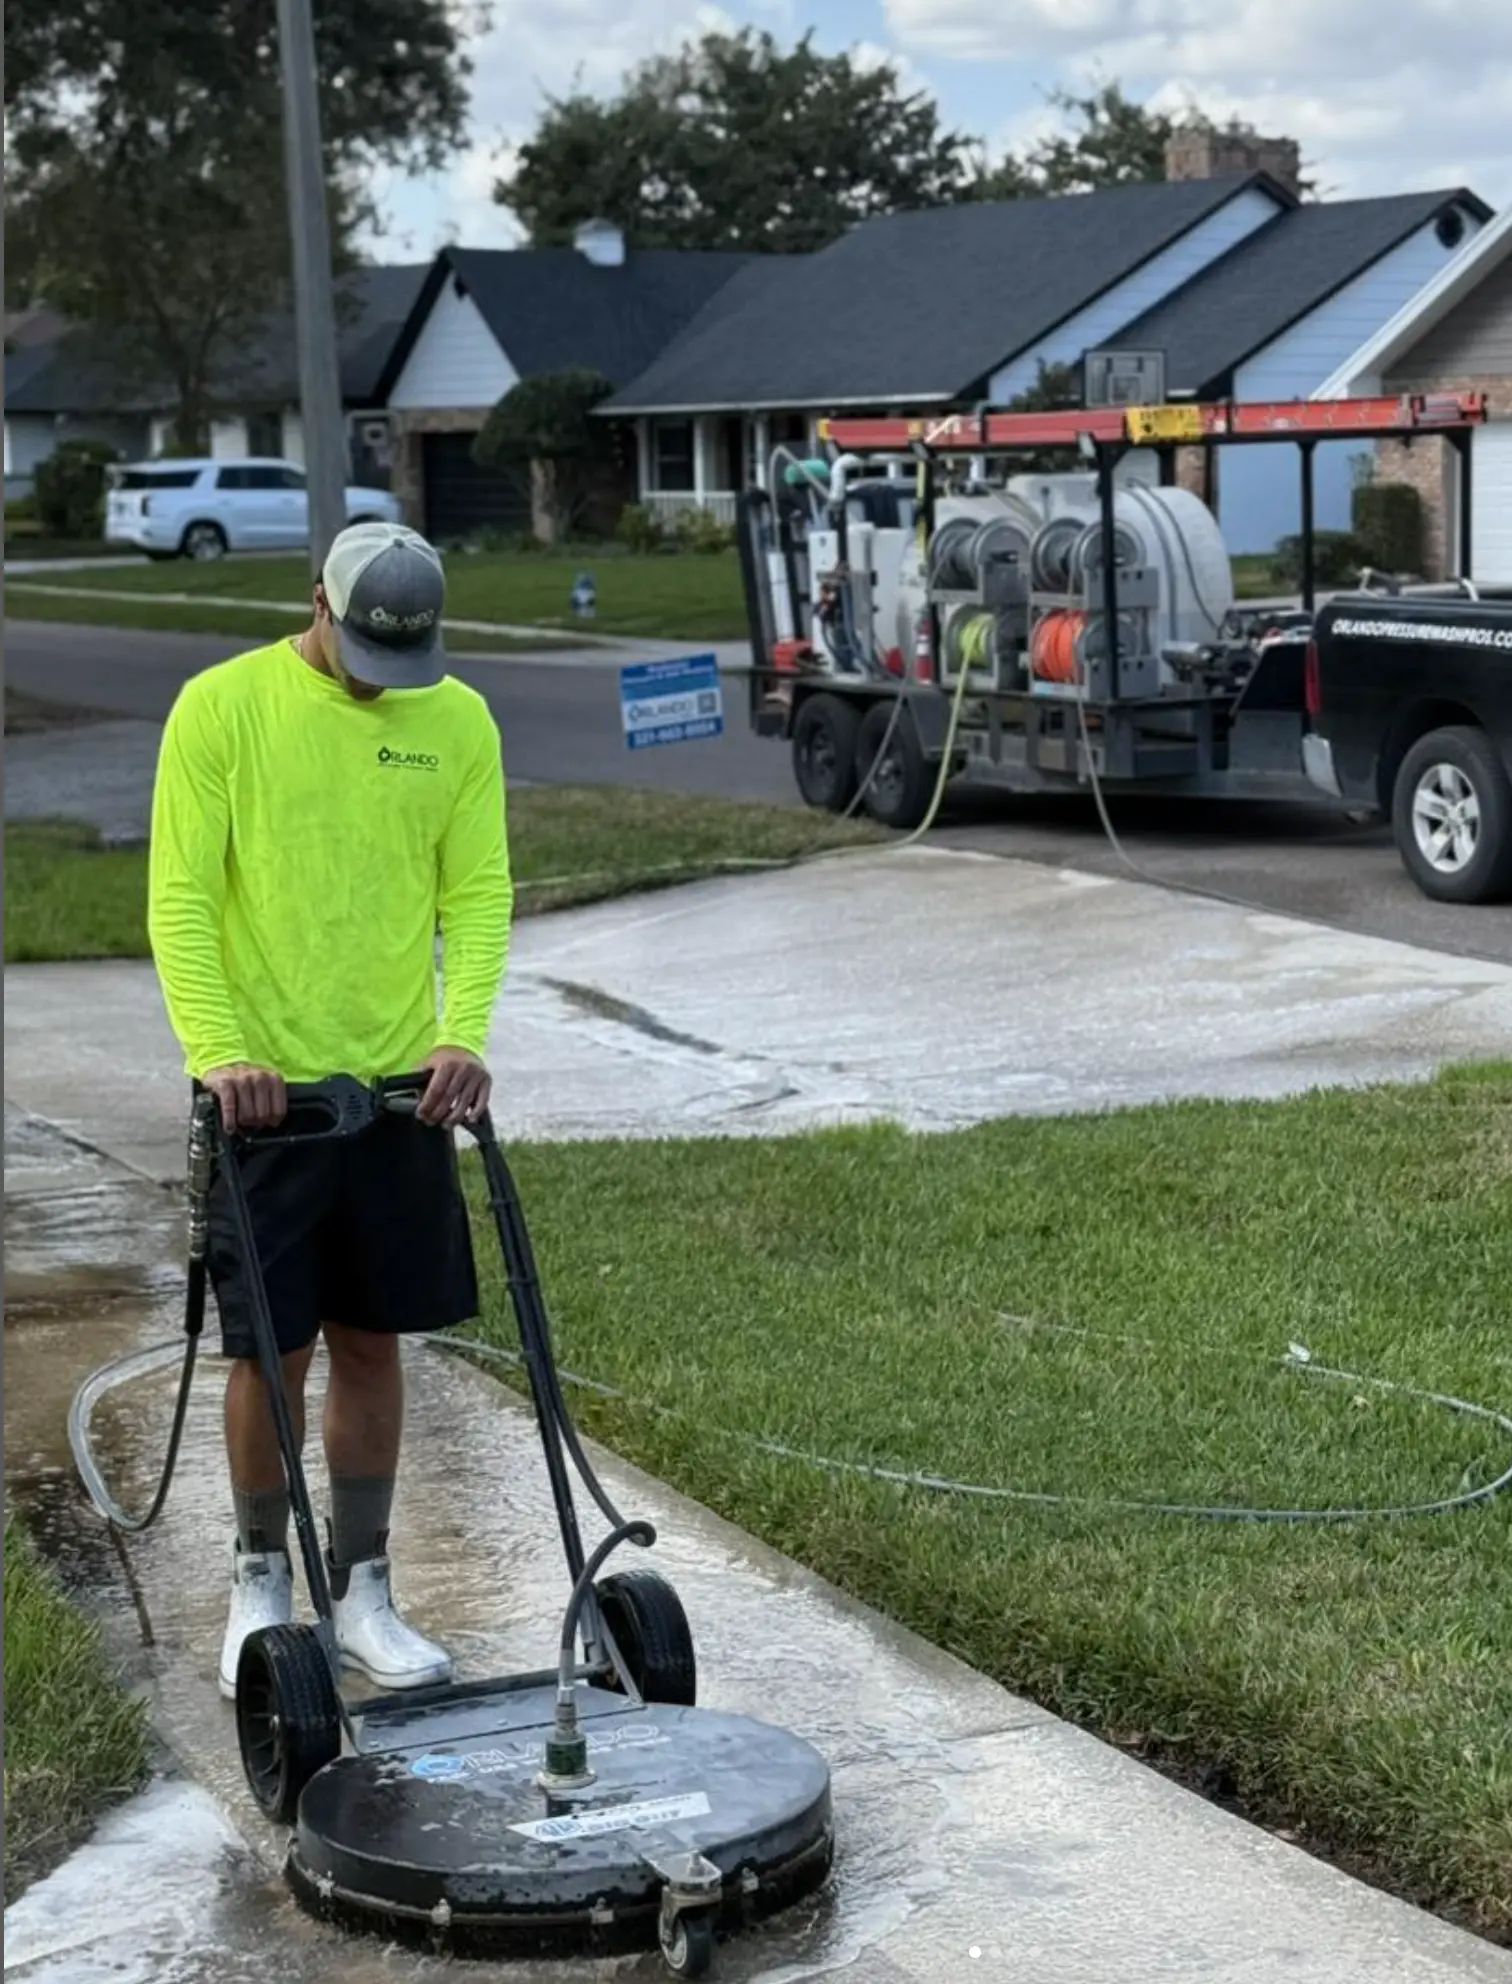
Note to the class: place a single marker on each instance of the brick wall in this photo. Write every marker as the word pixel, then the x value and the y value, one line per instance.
pixel 1430 465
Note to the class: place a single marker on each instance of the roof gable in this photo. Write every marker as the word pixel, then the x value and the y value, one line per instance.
pixel 921 306
pixel 551 308
pixel 1277 276
pixel 1428 308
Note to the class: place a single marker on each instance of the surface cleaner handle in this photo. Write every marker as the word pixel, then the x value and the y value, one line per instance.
pixel 319 1112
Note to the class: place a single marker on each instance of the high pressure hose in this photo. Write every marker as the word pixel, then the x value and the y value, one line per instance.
pixel 81 1409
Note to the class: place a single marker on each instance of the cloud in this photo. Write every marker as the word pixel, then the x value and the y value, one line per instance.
pixel 1384 95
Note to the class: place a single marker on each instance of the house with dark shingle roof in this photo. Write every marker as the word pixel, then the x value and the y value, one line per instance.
pixel 70 384
pixel 1246 290
pixel 487 318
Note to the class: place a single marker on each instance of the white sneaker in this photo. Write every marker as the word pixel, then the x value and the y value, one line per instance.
pixel 262 1594
pixel 375 1640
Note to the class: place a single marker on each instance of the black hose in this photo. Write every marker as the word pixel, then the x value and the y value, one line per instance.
pixel 82 1408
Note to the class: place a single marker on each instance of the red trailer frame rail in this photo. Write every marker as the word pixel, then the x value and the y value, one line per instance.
pixel 1174 425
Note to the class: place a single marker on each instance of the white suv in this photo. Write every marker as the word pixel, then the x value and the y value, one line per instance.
pixel 203 509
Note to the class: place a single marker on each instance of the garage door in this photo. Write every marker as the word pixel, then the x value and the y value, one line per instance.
pixel 463 500
pixel 1491 504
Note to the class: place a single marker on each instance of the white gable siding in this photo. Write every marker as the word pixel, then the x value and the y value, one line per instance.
pixel 456 360
pixel 1141 291
pixel 1259 489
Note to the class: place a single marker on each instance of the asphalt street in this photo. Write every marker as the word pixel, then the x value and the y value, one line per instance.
pixel 560 722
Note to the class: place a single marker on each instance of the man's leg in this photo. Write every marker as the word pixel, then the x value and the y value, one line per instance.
pixel 258 1488
pixel 364 1419
pixel 288 1191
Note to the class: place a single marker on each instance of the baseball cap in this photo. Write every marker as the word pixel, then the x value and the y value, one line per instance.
pixel 387 589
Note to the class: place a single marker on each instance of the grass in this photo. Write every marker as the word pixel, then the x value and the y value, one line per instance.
pixel 67 896
pixel 1255 578
pixel 74 1740
pixel 249 623
pixel 680 596
pixel 1101 1307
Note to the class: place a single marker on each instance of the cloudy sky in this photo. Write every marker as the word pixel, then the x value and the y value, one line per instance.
pixel 1384 95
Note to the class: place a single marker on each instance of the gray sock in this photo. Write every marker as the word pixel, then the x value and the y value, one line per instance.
pixel 360 1505
pixel 262 1519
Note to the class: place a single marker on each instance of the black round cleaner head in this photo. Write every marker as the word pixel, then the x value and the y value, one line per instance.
pixel 692 1821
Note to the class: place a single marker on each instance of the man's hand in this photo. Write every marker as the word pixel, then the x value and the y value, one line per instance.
pixel 250 1098
pixel 457 1091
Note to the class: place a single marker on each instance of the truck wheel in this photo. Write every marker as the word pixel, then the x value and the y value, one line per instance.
pixel 901 783
pixel 1452 814
pixel 824 753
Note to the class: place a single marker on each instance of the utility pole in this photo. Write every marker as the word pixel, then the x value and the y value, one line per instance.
pixel 325 438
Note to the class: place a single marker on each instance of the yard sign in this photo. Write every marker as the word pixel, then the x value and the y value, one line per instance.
pixel 671 702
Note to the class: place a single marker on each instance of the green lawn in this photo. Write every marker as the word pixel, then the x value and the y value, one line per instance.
pixel 67 897
pixel 73 1740
pixel 1100 1308
pixel 253 624
pixel 678 596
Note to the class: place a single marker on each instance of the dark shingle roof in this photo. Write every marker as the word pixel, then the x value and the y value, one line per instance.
pixel 551 308
pixel 77 373
pixel 919 306
pixel 1274 278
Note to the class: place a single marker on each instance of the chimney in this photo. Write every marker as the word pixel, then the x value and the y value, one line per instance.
pixel 1195 153
pixel 600 242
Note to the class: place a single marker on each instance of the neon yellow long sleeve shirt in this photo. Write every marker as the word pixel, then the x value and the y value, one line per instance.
pixel 306 850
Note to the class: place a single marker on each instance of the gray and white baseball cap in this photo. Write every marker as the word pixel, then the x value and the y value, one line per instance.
pixel 387 590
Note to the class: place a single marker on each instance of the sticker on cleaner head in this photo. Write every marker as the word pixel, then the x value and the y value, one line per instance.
pixel 439 1767
pixel 617 1818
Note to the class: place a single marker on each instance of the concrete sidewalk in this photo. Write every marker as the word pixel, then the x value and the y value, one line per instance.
pixel 977 1836
pixel 928 988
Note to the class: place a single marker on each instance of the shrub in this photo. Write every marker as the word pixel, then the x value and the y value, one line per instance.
pixel 641 530
pixel 70 489
pixel 701 530
pixel 1388 521
pixel 1337 558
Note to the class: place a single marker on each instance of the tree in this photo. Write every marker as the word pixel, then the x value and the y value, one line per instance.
pixel 547 425
pixel 733 143
pixel 145 196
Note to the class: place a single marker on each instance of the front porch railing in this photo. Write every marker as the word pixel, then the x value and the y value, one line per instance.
pixel 667 504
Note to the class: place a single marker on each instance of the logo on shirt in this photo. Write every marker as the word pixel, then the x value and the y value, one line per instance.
pixel 409 761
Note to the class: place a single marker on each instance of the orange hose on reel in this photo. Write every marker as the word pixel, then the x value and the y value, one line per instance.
pixel 1052 651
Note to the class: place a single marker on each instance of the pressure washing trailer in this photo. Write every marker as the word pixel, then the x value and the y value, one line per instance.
pixel 923 606
pixel 588 1808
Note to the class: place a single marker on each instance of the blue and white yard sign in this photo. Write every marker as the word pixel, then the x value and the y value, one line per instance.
pixel 671 702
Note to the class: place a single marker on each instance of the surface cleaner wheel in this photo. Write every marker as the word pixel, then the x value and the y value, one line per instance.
pixel 288 1723
pixel 645 1616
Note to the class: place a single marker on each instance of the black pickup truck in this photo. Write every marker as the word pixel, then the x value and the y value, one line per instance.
pixel 1409 712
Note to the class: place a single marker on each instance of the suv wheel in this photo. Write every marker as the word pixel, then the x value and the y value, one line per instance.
pixel 1452 814
pixel 203 541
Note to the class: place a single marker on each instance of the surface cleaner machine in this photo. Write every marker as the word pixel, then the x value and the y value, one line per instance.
pixel 587 1808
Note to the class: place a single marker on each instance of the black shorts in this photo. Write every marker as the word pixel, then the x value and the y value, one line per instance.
pixel 368 1231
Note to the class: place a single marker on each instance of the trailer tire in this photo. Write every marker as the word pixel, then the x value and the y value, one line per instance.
pixel 899 788
pixel 824 753
pixel 1456 768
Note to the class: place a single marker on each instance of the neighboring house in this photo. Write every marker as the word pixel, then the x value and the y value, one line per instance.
pixel 1246 290
pixel 1454 336
pixel 1273 318
pixel 486 318
pixel 68 388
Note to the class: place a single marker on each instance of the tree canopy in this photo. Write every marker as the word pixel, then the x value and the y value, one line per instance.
pixel 735 143
pixel 145 185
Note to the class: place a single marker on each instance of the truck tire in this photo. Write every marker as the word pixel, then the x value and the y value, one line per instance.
pixel 824 753
pixel 900 786
pixel 1452 815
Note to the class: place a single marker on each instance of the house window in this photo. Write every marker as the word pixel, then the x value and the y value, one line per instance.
pixel 264 433
pixel 672 443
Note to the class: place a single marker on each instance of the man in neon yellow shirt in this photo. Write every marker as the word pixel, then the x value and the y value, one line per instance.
pixel 323 807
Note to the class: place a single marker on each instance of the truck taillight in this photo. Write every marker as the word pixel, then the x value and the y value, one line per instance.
pixel 1312 683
